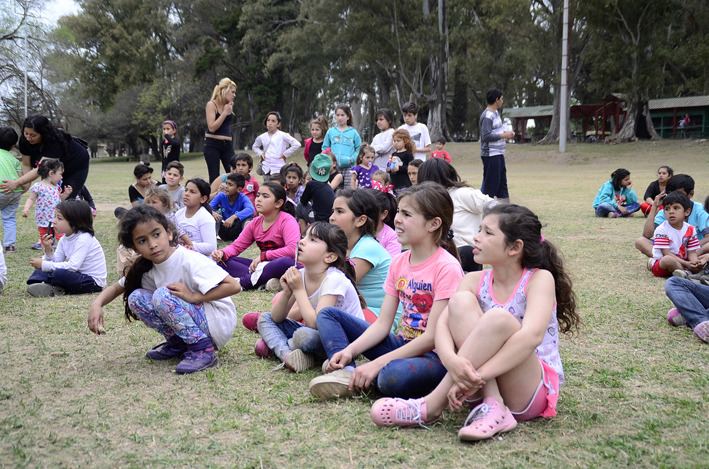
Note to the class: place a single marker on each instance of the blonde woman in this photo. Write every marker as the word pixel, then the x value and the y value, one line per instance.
pixel 217 144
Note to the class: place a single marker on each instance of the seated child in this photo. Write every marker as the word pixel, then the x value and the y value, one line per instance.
pixel 241 163
pixel 675 249
pixel 616 197
pixel 689 299
pixel 319 191
pixel 196 217
pixel 655 188
pixel 174 174
pixel 10 170
pixel 161 200
pixel 143 181
pixel 382 182
pixel 236 208
pixel 79 265
pixel 362 173
pixel 293 175
pixel 440 152
pixel 414 171
pixel 385 228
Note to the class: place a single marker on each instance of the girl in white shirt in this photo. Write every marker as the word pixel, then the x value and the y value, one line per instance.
pixel 327 279
pixel 79 265
pixel 181 294
pixel 196 216
pixel 382 142
pixel 274 146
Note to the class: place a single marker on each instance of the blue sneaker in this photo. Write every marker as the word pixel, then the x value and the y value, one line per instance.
pixel 198 357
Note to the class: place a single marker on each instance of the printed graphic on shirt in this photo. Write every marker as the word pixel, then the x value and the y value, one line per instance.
pixel 619 199
pixel 416 300
pixel 343 140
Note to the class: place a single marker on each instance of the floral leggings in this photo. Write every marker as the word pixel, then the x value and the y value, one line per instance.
pixel 169 314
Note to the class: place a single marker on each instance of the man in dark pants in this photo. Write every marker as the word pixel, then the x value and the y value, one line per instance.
pixel 492 148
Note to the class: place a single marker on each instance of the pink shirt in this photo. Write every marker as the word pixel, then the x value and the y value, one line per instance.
pixel 279 240
pixel 441 154
pixel 387 238
pixel 418 286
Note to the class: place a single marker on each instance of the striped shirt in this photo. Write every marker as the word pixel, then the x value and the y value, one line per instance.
pixel 679 242
pixel 490 129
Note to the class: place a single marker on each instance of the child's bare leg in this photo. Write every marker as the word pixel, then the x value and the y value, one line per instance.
pixel 644 245
pixel 463 315
pixel 670 264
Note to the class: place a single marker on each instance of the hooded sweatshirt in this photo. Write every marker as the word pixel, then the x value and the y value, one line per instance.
pixel 344 145
pixel 608 195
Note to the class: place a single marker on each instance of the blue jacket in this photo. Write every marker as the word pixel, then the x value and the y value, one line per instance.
pixel 608 195
pixel 242 207
pixel 344 145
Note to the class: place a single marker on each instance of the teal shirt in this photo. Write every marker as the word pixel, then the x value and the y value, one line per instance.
pixel 9 167
pixel 608 195
pixel 344 145
pixel 699 219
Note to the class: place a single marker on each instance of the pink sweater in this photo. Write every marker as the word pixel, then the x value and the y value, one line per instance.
pixel 280 240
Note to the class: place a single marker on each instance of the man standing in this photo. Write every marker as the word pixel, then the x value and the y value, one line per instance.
pixel 492 148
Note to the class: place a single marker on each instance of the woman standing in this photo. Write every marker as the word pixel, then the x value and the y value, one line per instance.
pixel 217 144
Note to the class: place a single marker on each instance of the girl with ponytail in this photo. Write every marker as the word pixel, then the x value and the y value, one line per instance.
pixel 499 337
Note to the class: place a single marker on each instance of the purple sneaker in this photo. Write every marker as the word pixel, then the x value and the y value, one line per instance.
pixel 675 318
pixel 37 246
pixel 702 331
pixel 198 357
pixel 174 347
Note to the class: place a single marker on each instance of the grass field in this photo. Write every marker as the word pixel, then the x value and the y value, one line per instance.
pixel 636 391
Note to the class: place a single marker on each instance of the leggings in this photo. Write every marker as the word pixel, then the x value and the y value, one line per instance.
pixel 214 152
pixel 170 315
pixel 238 267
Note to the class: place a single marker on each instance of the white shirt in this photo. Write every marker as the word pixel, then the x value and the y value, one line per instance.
pixel 419 134
pixel 201 229
pixel 384 146
pixel 468 207
pixel 337 284
pixel 78 252
pixel 3 271
pixel 271 147
pixel 200 274
pixel 679 242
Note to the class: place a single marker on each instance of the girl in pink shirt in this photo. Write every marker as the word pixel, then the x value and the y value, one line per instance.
pixel 275 231
pixel 385 228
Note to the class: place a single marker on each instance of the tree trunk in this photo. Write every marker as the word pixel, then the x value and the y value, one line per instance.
pixel 650 126
pixel 627 132
pixel 292 122
pixel 437 111
pixel 356 107
pixel 552 135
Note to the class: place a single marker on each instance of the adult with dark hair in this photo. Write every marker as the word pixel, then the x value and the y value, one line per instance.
pixel 40 140
pixel 664 173
pixel 469 207
pixel 492 148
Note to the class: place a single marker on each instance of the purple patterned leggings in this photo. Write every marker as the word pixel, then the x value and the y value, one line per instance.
pixel 169 314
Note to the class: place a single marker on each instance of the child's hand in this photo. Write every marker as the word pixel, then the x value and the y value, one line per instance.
pixel 36 263
pixel 284 285
pixel 25 212
pixel 463 374
pixel 222 187
pixel 456 397
pixel 229 222
pixel 216 216
pixel 283 157
pixel 217 256
pixel 340 360
pixel 363 376
pixel 181 290
pixel 622 209
pixel 294 278
pixel 67 191
pixel 254 264
pixel 95 319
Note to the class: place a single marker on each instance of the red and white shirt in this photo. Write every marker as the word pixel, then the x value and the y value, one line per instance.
pixel 679 242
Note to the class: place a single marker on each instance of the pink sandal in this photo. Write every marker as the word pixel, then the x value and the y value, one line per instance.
pixel 388 412
pixel 487 420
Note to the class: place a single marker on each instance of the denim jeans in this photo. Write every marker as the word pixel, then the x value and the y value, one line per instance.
pixel 605 208
pixel 73 282
pixel 282 337
pixel 691 299
pixel 405 377
pixel 9 203
pixel 214 152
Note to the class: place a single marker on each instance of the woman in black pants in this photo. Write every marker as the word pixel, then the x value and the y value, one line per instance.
pixel 217 144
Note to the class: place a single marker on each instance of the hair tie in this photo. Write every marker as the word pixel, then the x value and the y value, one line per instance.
pixel 352 263
pixel 451 234
pixel 543 239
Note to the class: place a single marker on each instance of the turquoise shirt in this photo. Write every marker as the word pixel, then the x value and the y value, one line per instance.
pixel 699 219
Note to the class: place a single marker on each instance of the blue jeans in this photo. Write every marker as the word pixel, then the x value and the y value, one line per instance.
pixel 73 282
pixel 283 337
pixel 214 152
pixel 9 203
pixel 691 299
pixel 605 208
pixel 405 377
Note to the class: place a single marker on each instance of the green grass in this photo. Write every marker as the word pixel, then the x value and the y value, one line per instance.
pixel 636 391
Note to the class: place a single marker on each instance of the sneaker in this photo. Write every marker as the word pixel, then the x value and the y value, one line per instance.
pixel 262 350
pixel 298 361
pixel 675 318
pixel 274 285
pixel 250 321
pixel 612 215
pixel 40 290
pixel 650 263
pixel 37 246
pixel 10 248
pixel 174 347
pixel 631 215
pixel 697 278
pixel 681 273
pixel 388 412
pixel 324 366
pixel 194 361
pixel 487 420
pixel 331 385
pixel 702 331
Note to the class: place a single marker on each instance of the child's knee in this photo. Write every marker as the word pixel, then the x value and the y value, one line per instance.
pixel 265 318
pixel 459 306
pixel 305 338
pixel 498 319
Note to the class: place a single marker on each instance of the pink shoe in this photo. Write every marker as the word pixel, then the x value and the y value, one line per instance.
pixel 702 331
pixel 250 321
pixel 262 350
pixel 401 412
pixel 487 420
pixel 675 318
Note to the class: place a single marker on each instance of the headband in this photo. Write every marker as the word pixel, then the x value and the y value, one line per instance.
pixel 171 123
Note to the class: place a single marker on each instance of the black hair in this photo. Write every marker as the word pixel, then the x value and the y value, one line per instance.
pixel 416 163
pixel 680 181
pixel 387 202
pixel 336 241
pixel 292 167
pixel 410 107
pixel 493 94
pixel 617 177
pixel 677 197
pixel 272 113
pixel 50 164
pixel 177 165
pixel 362 202
pixel 8 138
pixel 669 170
pixel 279 193
pixel 141 170
pixel 242 157
pixel 204 190
pixel 278 179
pixel 237 179
pixel 49 132
pixel 442 141
pixel 440 171
pixel 78 214
pixel 387 114
pixel 134 273
pixel 519 223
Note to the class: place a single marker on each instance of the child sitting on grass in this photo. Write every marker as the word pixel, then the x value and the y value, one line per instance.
pixel 173 175
pixel 236 208
pixel 616 197
pixel 676 244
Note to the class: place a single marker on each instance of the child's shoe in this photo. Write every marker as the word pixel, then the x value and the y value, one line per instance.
pixel 612 215
pixel 702 331
pixel 37 246
pixel 487 420
pixel 174 347
pixel 198 357
pixel 675 318
pixel 262 350
pixel 298 361
pixel 650 263
pixel 681 273
pixel 331 385
pixel 250 321
pixel 401 412
pixel 41 290
pixel 9 249
pixel 274 285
